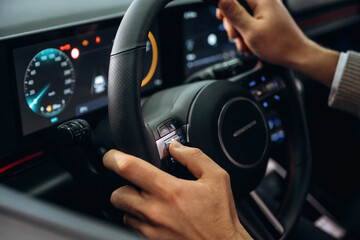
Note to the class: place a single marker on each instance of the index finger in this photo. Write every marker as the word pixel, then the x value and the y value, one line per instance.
pixel 236 14
pixel 137 171
pixel 193 159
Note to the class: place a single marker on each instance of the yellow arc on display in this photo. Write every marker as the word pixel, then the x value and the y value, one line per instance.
pixel 154 61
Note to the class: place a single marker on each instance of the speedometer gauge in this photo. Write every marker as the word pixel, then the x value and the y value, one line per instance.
pixel 49 82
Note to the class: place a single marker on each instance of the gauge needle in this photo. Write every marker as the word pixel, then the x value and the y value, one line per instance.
pixel 36 99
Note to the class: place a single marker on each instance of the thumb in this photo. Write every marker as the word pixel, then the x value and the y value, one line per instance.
pixel 236 14
pixel 198 163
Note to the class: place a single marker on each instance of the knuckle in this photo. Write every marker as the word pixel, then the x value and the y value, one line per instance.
pixel 223 175
pixel 169 193
pixel 152 211
pixel 196 152
pixel 124 164
pixel 155 214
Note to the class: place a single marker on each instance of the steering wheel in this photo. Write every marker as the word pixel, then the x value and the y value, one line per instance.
pixel 222 118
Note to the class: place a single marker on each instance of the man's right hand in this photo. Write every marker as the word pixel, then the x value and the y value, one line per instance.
pixel 273 36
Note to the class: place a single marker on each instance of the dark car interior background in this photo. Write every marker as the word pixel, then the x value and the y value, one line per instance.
pixel 54 68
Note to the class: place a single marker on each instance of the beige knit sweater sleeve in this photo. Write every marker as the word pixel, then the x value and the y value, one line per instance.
pixel 347 95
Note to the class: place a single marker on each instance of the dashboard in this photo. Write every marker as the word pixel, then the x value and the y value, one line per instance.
pixel 55 62
pixel 62 77
pixel 58 75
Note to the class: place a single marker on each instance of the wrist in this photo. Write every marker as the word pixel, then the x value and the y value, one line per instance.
pixel 302 55
pixel 315 61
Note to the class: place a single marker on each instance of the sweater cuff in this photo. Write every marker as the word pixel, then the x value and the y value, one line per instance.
pixel 346 96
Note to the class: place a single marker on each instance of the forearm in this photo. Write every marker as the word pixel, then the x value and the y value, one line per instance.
pixel 316 62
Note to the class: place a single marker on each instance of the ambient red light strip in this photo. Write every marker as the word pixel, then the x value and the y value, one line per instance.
pixel 345 12
pixel 11 165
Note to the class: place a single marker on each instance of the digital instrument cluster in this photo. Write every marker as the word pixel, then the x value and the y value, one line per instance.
pixel 64 75
pixel 67 77
pixel 205 40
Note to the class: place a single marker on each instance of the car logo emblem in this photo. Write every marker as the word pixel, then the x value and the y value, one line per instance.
pixel 244 129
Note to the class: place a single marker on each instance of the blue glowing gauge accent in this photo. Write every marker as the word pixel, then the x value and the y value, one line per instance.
pixel 49 82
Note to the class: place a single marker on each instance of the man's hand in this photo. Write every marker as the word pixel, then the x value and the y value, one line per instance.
pixel 167 207
pixel 273 36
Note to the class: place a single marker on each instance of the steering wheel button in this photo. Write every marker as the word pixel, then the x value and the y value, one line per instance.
pixel 252 84
pixel 271 86
pixel 257 92
pixel 170 140
pixel 171 126
pixel 163 130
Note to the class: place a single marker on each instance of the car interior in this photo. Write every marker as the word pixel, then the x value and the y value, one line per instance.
pixel 82 77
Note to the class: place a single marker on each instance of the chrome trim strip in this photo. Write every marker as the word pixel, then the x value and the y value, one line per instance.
pixel 273 166
pixel 244 129
pixel 266 211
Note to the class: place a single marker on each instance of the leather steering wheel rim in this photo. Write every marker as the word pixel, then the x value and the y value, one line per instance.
pixel 131 135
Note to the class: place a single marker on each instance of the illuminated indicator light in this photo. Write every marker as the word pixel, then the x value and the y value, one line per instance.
pixel 263 79
pixel 54 120
pixel 75 53
pixel 85 43
pixel 48 108
pixel 65 47
pixel 252 84
pixel 275 137
pixel 276 84
pixel 265 104
pixel 97 39
pixel 277 97
pixel 271 124
pixel 212 40
pixel 281 134
pixel 221 27
pixel 278 136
